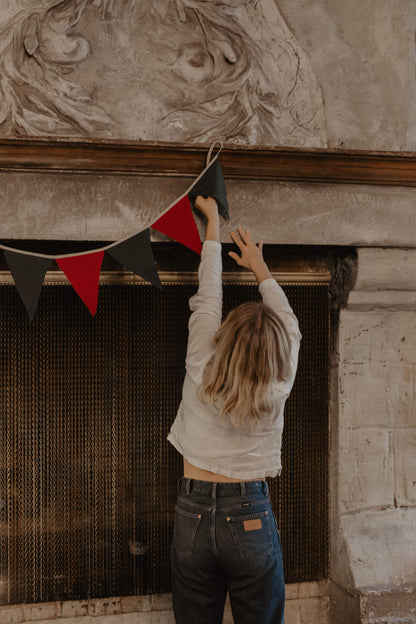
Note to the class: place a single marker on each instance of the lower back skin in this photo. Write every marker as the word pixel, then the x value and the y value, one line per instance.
pixel 192 472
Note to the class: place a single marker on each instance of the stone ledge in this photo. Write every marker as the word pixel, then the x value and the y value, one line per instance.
pixel 153 609
pixel 392 620
pixel 144 617
pixel 386 269
pixel 391 603
pixel 314 589
pixel 381 547
pixel 373 605
pixel 344 606
pixel 65 207
pixel 382 299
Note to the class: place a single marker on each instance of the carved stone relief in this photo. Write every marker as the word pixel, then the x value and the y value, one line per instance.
pixel 181 70
pixel 38 49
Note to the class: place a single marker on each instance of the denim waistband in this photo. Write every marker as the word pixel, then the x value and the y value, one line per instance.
pixel 219 489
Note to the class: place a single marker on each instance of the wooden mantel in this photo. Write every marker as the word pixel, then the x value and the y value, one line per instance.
pixel 165 159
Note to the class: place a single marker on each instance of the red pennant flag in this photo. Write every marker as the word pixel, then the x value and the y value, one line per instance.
pixel 179 223
pixel 84 273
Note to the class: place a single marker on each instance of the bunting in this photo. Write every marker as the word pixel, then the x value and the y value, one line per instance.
pixel 28 269
pixel 179 224
pixel 28 274
pixel 212 184
pixel 84 274
pixel 136 255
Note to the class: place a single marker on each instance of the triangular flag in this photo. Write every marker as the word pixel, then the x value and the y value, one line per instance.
pixel 84 273
pixel 136 255
pixel 212 184
pixel 179 223
pixel 28 274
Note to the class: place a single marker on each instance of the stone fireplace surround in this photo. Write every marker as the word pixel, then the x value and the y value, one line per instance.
pixel 373 371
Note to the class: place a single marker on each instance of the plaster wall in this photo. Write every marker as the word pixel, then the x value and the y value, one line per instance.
pixel 92 207
pixel 363 56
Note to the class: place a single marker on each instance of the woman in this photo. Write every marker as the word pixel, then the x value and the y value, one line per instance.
pixel 229 430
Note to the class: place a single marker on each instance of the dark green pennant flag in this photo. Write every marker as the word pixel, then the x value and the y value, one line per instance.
pixel 136 255
pixel 212 184
pixel 28 273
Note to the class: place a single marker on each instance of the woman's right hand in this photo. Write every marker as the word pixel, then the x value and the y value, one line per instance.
pixel 207 205
pixel 251 255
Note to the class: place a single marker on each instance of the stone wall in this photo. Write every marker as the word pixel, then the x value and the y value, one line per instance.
pixel 374 438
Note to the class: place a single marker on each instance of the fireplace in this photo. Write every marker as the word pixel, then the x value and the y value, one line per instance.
pixel 87 478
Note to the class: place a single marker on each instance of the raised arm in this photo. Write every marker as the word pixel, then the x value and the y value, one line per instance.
pixel 206 304
pixel 252 258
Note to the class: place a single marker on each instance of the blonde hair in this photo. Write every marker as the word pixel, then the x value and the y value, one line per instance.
pixel 252 351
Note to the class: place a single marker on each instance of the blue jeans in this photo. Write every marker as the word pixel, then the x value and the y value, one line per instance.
pixel 225 538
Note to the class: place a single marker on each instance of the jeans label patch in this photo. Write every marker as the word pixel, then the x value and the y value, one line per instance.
pixel 252 525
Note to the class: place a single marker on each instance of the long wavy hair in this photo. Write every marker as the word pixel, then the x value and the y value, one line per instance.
pixel 252 350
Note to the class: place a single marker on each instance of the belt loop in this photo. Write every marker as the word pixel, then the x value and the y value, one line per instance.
pixel 265 488
pixel 214 491
pixel 243 489
pixel 188 487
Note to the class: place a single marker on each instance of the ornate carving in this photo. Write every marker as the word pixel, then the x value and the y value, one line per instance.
pixel 242 75
pixel 37 49
pixel 198 70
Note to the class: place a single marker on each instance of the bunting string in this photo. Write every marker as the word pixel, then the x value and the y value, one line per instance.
pixel 82 269
pixel 193 190
pixel 211 149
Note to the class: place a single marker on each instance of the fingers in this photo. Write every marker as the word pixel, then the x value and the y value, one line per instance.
pixel 202 199
pixel 205 204
pixel 237 240
pixel 243 238
pixel 245 235
pixel 235 256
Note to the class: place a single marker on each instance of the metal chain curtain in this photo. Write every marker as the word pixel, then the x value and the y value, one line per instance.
pixel 87 478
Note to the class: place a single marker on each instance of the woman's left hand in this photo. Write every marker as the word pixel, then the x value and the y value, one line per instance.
pixel 251 255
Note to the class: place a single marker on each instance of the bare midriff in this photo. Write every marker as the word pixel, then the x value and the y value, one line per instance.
pixel 192 472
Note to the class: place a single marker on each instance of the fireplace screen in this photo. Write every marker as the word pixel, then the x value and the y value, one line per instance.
pixel 87 478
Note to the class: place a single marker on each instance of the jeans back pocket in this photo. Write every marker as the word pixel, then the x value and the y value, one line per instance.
pixel 251 534
pixel 185 527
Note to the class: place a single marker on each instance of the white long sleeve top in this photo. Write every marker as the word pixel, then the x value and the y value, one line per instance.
pixel 199 432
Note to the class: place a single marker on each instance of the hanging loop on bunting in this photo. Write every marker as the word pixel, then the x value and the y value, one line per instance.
pixel 211 149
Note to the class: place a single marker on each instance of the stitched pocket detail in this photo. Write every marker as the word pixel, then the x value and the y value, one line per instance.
pixel 185 528
pixel 251 534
